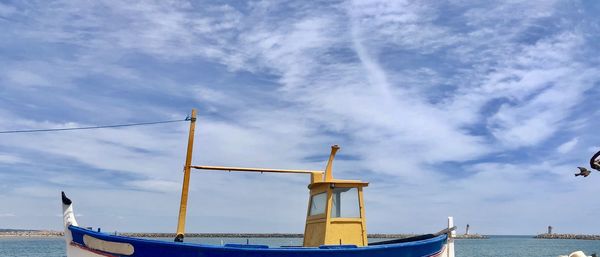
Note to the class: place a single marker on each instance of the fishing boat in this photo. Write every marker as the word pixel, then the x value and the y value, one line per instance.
pixel 335 225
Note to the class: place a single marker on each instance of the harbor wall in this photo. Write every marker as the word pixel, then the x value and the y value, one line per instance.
pixel 567 236
pixel 472 236
pixel 47 233
pixel 31 233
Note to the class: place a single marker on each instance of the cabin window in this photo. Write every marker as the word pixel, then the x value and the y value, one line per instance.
pixel 318 203
pixel 345 203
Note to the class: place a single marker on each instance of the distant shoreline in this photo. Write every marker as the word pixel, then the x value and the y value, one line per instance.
pixel 568 236
pixel 472 236
pixel 49 233
pixel 20 233
pixel 30 233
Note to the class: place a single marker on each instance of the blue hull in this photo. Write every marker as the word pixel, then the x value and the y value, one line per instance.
pixel 151 248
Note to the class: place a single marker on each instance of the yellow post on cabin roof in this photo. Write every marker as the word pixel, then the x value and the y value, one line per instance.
pixel 336 212
pixel 186 180
pixel 328 174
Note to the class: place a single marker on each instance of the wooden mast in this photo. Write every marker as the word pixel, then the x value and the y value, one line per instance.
pixel 186 180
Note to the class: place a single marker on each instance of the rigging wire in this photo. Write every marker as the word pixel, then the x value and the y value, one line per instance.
pixel 93 127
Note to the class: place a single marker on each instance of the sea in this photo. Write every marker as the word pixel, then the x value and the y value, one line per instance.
pixel 495 246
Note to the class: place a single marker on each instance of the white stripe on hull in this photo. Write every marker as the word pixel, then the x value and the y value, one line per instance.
pixel 75 251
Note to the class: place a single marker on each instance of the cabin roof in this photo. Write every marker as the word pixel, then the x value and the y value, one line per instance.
pixel 341 182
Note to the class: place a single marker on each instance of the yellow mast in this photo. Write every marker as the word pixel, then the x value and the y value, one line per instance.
pixel 186 180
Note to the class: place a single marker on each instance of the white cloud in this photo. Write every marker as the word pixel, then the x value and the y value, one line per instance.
pixel 156 185
pixel 10 159
pixel 25 78
pixel 6 10
pixel 540 88
pixel 407 90
pixel 567 146
pixel 35 192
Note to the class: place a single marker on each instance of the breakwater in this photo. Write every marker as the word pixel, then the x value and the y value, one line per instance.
pixel 30 233
pixel 567 236
pixel 472 236
pixel 50 233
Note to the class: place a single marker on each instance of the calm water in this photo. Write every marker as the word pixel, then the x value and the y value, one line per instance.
pixel 497 246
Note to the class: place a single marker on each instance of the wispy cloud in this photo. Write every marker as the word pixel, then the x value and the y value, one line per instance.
pixel 10 159
pixel 485 105
pixel 568 146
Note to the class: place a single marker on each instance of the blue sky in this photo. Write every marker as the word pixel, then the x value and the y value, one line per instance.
pixel 469 109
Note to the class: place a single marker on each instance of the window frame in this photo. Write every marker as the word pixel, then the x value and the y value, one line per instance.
pixel 312 197
pixel 358 210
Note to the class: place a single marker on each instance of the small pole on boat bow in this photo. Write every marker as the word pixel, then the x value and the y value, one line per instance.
pixel 186 180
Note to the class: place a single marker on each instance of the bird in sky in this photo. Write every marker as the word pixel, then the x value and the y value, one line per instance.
pixel 583 172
